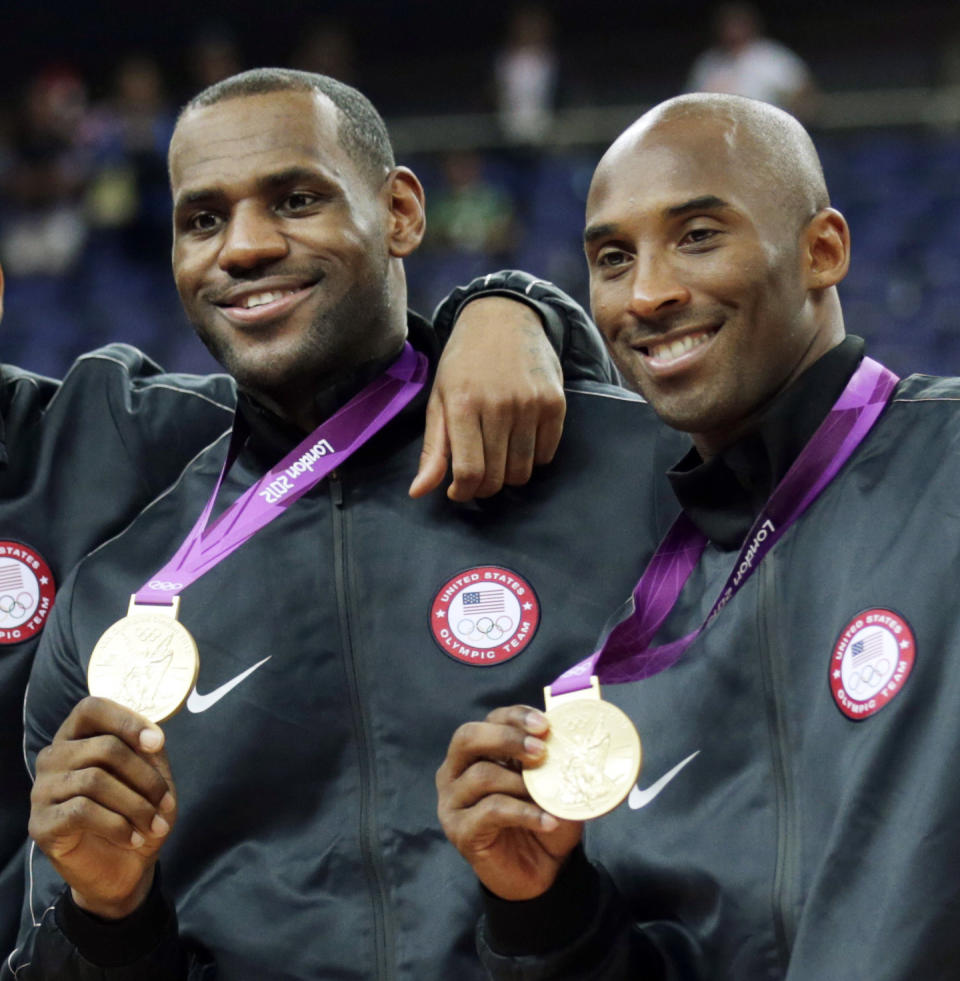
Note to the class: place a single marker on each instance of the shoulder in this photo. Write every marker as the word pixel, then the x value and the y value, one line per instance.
pixel 127 369
pixel 919 389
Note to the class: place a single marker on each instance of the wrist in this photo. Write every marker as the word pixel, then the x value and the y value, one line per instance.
pixel 115 909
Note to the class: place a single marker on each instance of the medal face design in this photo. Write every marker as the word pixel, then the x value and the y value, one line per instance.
pixel 147 661
pixel 484 616
pixel 27 591
pixel 593 760
pixel 871 662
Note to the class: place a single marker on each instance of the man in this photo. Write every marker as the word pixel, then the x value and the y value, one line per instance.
pixel 798 701
pixel 291 805
pixel 82 458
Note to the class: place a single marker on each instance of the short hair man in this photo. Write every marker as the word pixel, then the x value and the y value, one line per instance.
pixel 794 811
pixel 340 643
pixel 79 460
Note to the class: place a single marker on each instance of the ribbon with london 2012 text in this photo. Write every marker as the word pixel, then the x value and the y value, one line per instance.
pixel 626 655
pixel 328 446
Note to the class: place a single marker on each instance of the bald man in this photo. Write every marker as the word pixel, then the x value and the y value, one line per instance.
pixel 795 817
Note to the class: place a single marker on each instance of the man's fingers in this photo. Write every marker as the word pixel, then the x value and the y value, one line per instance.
pixel 435 454
pixel 549 433
pixel 60 828
pixel 467 451
pixel 501 738
pixel 95 716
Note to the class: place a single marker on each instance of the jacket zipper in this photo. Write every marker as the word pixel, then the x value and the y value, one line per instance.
pixel 774 684
pixel 368 838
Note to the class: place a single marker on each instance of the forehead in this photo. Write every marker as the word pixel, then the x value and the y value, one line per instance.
pixel 652 170
pixel 241 138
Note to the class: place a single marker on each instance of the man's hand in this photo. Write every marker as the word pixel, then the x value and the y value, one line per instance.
pixel 515 848
pixel 497 404
pixel 102 805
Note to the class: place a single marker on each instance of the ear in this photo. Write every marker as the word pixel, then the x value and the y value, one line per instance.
pixel 407 208
pixel 827 249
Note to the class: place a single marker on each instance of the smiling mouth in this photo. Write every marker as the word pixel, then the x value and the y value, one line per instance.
pixel 665 352
pixel 259 299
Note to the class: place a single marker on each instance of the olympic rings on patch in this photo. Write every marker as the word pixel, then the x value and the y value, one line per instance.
pixel 163 584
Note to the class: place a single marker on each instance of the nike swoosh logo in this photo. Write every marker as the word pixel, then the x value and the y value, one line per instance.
pixel 197 703
pixel 640 798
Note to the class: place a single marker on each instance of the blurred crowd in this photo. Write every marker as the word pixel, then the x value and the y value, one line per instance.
pixel 84 205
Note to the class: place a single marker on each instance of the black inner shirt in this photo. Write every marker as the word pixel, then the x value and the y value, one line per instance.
pixel 724 494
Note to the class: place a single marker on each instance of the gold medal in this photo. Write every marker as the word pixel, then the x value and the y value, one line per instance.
pixel 147 661
pixel 593 756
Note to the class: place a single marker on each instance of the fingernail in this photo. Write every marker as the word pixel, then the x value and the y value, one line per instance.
pixel 158 826
pixel 548 822
pixel 167 802
pixel 534 721
pixel 136 839
pixel 151 738
pixel 534 746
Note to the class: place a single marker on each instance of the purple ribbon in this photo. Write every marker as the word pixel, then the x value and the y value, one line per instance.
pixel 328 446
pixel 626 654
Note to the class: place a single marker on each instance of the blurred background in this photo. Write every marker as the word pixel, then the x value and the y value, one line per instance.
pixel 502 109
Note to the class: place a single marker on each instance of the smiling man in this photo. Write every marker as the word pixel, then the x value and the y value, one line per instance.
pixel 792 648
pixel 343 628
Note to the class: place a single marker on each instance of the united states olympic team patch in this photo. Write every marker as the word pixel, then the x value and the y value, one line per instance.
pixel 484 616
pixel 27 590
pixel 871 661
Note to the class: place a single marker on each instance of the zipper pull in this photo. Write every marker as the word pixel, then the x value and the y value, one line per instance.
pixel 336 488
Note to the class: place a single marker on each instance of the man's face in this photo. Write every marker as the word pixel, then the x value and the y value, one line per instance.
pixel 280 253
pixel 696 278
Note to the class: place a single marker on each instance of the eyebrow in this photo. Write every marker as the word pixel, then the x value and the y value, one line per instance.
pixel 706 202
pixel 269 182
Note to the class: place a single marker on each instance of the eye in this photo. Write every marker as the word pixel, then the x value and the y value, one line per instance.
pixel 203 221
pixel 610 257
pixel 701 235
pixel 299 201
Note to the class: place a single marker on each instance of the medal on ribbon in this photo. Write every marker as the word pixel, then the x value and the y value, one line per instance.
pixel 147 661
pixel 593 756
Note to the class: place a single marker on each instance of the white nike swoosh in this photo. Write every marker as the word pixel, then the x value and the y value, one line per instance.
pixel 200 703
pixel 640 798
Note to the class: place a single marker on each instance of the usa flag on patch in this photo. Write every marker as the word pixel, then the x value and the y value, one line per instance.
pixel 483 601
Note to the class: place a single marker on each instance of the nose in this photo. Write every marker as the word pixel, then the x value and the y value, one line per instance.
pixel 656 288
pixel 252 238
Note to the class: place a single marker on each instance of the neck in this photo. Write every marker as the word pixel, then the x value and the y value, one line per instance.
pixel 306 407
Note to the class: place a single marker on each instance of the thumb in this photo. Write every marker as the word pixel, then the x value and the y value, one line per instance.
pixel 435 453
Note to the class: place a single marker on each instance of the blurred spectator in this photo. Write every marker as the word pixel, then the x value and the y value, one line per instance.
pixel 469 213
pixel 328 49
pixel 128 189
pixel 43 224
pixel 214 56
pixel 525 76
pixel 744 62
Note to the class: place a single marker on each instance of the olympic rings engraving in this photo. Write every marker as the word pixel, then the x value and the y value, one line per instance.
pixel 164 585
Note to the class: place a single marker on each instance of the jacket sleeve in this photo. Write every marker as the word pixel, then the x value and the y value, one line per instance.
pixel 581 930
pixel 573 335
pixel 57 940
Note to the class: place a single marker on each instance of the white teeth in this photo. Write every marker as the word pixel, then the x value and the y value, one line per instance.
pixel 259 299
pixel 673 350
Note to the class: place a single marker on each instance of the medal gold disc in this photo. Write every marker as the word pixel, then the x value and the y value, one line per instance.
pixel 147 662
pixel 593 759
